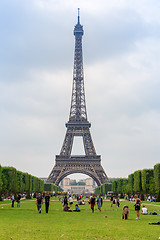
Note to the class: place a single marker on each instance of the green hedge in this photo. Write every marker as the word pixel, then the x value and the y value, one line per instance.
pixel 114 186
pixel 157 177
pixel 108 187
pixel 98 190
pixel 9 176
pixel 146 181
pixel 50 187
pixel 137 181
pixel 103 189
pixel 148 185
pixel 131 183
pixel 14 181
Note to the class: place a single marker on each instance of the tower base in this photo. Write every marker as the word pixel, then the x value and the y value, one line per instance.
pixel 89 165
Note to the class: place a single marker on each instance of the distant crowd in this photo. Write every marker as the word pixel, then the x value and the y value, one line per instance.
pixel 67 203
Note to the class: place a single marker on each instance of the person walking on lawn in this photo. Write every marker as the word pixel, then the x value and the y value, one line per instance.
pixel 39 202
pixel 92 202
pixel 99 203
pixel 47 200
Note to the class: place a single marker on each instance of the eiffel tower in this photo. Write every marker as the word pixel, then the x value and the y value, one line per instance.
pixel 78 125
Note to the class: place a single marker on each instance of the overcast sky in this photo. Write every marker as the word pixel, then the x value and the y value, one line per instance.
pixel 121 52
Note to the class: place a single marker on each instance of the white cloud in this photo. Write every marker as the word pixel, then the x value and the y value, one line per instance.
pixel 121 63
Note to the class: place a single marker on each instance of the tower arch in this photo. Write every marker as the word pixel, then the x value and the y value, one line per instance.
pixel 65 174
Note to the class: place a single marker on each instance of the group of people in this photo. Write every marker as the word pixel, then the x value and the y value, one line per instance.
pixel 66 208
pixel 39 202
pixel 68 202
pixel 137 205
pixel 93 202
pixel 17 199
pixel 115 200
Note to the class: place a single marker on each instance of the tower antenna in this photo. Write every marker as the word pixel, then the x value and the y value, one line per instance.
pixel 78 15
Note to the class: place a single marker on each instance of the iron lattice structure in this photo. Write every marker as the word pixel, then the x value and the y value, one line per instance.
pixel 78 125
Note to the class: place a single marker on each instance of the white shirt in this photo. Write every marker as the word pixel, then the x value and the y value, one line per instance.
pixel 144 210
pixel 70 200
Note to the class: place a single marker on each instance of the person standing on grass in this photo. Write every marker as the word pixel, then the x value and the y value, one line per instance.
pixel 70 200
pixel 111 200
pixel 47 200
pixel 137 205
pixel 13 199
pixel 99 203
pixel 92 202
pixel 65 201
pixel 117 201
pixel 39 202
pixel 19 200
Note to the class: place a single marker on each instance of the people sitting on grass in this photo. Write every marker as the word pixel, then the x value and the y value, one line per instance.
pixel 125 213
pixel 153 199
pixel 81 202
pixel 144 210
pixel 77 209
pixel 66 208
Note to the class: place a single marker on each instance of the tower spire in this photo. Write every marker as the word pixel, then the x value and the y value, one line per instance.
pixel 78 15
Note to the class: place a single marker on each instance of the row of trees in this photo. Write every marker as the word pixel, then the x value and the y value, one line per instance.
pixel 103 189
pixel 13 181
pixel 50 187
pixel 146 181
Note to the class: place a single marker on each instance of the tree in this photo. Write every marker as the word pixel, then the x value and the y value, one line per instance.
pixel 131 183
pixel 114 186
pixel 10 175
pixel 157 177
pixel 147 176
pixel 137 181
pixel 157 180
pixel 20 183
pixel 98 190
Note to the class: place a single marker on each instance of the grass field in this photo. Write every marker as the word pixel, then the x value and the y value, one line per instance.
pixel 27 223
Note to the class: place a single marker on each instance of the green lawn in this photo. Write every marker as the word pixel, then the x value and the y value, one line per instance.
pixel 27 223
